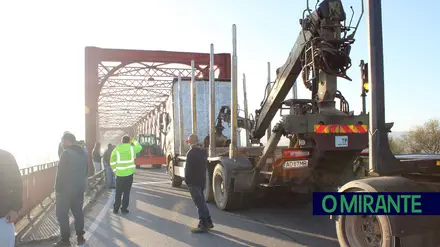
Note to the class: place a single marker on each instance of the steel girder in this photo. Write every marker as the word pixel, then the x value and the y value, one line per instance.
pixel 124 89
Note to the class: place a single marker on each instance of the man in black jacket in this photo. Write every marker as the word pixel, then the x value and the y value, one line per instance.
pixel 11 191
pixel 70 188
pixel 195 175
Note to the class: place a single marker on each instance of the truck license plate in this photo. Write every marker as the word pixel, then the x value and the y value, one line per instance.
pixel 341 141
pixel 296 164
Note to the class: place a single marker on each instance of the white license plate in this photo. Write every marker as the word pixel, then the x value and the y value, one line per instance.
pixel 296 164
pixel 341 141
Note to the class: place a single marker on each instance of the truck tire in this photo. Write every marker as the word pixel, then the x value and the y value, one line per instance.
pixel 208 191
pixel 364 230
pixel 176 181
pixel 157 166
pixel 225 197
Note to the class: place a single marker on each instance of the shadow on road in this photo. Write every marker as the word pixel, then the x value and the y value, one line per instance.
pixel 182 234
pixel 291 220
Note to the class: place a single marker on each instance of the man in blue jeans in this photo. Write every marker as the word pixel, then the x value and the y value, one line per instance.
pixel 195 175
pixel 110 175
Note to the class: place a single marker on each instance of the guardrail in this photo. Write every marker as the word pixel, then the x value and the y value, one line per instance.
pixel 38 185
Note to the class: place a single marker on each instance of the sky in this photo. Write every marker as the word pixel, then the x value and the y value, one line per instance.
pixel 42 56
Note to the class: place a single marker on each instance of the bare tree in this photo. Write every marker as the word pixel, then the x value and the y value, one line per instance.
pixel 396 145
pixel 423 138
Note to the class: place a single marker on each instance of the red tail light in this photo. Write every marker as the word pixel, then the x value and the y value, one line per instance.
pixel 295 153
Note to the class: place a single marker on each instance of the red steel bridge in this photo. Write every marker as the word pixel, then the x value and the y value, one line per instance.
pixel 123 91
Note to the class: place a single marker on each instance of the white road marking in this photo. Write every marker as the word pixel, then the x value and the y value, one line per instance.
pixel 101 215
pixel 156 182
pixel 106 208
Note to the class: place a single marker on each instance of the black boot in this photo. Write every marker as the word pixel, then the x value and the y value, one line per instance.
pixel 210 225
pixel 80 240
pixel 201 228
pixel 62 242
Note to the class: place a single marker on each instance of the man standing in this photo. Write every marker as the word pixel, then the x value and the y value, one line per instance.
pixel 122 163
pixel 11 192
pixel 69 188
pixel 110 176
pixel 195 178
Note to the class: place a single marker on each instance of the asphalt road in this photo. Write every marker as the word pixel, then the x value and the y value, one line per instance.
pixel 162 216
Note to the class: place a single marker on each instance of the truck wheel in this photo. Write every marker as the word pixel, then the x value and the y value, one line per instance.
pixel 208 192
pixel 224 196
pixel 138 166
pixel 176 181
pixel 364 230
pixel 157 166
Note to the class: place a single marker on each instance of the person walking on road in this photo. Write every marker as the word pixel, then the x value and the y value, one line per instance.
pixel 97 157
pixel 11 191
pixel 195 178
pixel 122 163
pixel 110 175
pixel 69 188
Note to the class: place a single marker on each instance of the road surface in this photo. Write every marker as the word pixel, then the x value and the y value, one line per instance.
pixel 162 216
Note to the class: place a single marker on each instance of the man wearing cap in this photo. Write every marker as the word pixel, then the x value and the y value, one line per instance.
pixel 122 163
pixel 195 178
pixel 69 188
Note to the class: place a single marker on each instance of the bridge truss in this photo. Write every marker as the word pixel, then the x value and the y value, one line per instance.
pixel 125 88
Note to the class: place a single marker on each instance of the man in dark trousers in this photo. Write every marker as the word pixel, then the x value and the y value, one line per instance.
pixel 195 175
pixel 122 163
pixel 110 175
pixel 11 191
pixel 69 188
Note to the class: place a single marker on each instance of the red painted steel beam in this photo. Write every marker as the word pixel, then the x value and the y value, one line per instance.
pixel 221 60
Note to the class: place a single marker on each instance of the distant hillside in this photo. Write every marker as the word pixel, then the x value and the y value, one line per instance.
pixel 397 133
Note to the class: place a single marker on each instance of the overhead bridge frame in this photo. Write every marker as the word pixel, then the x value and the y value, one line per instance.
pixel 113 75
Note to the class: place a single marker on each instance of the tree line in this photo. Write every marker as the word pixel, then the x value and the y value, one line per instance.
pixel 423 138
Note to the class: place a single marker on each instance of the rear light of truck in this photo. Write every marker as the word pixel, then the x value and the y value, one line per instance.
pixel 296 153
pixel 364 152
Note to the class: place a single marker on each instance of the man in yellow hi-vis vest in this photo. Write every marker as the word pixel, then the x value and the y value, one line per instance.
pixel 122 163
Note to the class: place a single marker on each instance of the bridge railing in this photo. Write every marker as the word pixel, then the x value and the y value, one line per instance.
pixel 39 184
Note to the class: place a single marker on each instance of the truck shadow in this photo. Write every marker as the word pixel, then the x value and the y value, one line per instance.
pixel 287 219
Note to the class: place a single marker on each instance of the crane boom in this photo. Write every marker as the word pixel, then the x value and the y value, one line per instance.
pixel 284 81
pixel 321 54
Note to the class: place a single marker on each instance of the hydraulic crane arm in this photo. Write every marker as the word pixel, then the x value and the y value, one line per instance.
pixel 322 49
pixel 285 79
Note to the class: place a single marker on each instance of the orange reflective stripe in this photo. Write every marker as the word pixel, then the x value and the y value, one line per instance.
pixel 361 128
pixel 345 129
pixel 321 128
pixel 340 128
pixel 334 128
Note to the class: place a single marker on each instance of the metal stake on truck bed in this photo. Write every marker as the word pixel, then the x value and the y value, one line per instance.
pixel 212 102
pixel 234 105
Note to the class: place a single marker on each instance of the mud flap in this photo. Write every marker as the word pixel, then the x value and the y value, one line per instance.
pixel 239 171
